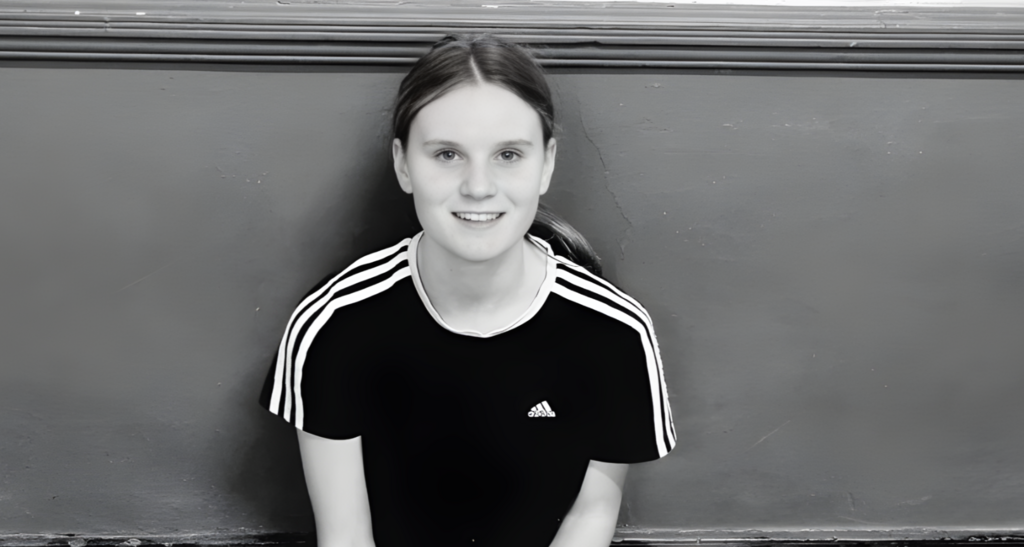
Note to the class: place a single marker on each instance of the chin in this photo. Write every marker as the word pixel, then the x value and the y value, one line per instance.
pixel 481 251
pixel 476 247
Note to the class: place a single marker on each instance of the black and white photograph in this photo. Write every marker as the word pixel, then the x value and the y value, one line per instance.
pixel 523 273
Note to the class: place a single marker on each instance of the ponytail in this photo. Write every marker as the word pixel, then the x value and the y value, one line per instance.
pixel 565 239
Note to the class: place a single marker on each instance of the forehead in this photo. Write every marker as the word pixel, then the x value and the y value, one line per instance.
pixel 477 113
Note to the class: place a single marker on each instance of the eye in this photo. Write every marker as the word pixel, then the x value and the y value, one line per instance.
pixel 447 155
pixel 508 155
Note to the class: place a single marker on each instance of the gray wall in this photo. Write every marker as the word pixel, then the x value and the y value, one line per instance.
pixel 834 264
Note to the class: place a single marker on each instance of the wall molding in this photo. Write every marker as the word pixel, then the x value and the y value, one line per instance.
pixel 570 35
pixel 918 537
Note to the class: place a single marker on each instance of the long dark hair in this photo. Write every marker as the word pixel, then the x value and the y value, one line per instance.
pixel 461 59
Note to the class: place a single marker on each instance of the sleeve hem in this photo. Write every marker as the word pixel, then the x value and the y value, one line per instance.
pixel 634 458
pixel 326 434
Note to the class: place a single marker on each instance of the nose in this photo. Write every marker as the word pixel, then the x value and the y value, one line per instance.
pixel 477 183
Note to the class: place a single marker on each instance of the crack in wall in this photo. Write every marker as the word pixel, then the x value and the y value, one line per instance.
pixel 625 238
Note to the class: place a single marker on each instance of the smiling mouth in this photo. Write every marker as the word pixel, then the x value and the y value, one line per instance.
pixel 478 217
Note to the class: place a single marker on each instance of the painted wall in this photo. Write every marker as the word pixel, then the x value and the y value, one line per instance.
pixel 834 263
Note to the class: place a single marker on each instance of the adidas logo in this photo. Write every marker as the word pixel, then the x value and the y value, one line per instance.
pixel 543 410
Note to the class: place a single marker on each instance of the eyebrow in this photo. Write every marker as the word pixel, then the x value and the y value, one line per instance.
pixel 515 142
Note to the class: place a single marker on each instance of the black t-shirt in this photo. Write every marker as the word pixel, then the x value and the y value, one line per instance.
pixel 469 438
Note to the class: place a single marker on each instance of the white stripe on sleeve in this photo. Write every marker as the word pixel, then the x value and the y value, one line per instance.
pixel 658 400
pixel 321 320
pixel 312 304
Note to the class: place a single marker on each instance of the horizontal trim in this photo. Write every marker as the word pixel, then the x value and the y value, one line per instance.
pixel 176 540
pixel 563 34
pixel 897 537
pixel 625 537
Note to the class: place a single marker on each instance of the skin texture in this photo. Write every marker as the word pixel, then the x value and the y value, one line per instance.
pixel 591 520
pixel 337 490
pixel 477 149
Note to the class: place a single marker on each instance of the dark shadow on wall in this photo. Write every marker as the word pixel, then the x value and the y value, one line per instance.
pixel 368 213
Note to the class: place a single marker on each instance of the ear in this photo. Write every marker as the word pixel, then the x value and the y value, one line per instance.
pixel 549 165
pixel 401 166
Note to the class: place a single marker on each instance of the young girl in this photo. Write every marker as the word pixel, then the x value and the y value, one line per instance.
pixel 469 386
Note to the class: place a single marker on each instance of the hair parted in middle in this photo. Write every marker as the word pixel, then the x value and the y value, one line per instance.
pixel 461 59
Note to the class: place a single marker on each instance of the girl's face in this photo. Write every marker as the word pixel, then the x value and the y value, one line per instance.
pixel 476 165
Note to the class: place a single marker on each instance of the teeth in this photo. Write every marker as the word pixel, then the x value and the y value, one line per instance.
pixel 478 217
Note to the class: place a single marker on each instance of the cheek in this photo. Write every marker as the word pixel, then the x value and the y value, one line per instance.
pixel 427 202
pixel 525 186
pixel 430 183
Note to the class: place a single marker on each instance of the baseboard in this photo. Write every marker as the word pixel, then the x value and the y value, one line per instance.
pixel 205 539
pixel 628 536
pixel 815 537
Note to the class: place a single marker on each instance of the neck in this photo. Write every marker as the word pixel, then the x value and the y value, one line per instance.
pixel 457 286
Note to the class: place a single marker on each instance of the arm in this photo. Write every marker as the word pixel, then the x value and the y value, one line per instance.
pixel 591 520
pixel 337 490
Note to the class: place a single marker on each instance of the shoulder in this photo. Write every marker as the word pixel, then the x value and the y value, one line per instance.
pixel 302 352
pixel 624 366
pixel 594 294
pixel 368 277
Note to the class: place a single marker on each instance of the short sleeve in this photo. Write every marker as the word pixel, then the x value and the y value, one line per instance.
pixel 631 420
pixel 315 381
